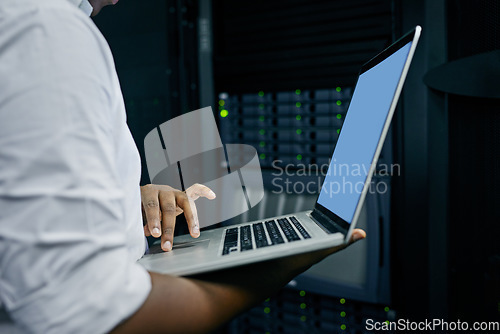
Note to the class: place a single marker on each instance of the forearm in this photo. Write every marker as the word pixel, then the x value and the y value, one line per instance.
pixel 201 303
pixel 174 305
pixel 204 302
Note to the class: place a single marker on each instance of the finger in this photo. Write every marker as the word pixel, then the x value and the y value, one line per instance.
pixel 178 211
pixel 144 219
pixel 195 230
pixel 146 231
pixel 357 234
pixel 194 192
pixel 199 190
pixel 151 208
pixel 167 203
pixel 187 204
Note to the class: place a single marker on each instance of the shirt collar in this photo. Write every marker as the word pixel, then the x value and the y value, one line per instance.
pixel 84 5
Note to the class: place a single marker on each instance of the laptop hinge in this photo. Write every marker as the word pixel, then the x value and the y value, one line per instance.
pixel 327 224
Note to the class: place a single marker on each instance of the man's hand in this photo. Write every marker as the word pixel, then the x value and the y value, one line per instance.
pixel 263 275
pixel 216 297
pixel 161 204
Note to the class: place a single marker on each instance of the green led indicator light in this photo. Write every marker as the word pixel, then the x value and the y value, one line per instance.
pixel 387 322
pixel 222 102
pixel 342 301
pixel 387 309
pixel 302 293
pixel 339 102
pixel 261 106
pixel 262 156
pixel 298 117
pixel 299 131
pixel 297 91
pixel 339 116
pixel 262 118
pixel 224 113
pixel 261 93
pixel 268 300
pixel 262 131
pixel 338 131
pixel 267 310
pixel 303 318
pixel 338 89
pixel 299 157
pixel 262 144
pixel 343 327
pixel 303 305
pixel 342 314
pixel 298 104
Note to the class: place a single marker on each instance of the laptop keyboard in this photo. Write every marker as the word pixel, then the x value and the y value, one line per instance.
pixel 253 236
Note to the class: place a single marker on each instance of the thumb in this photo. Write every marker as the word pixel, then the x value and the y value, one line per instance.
pixel 357 234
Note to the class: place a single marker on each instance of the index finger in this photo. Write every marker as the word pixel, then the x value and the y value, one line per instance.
pixel 199 190
pixel 189 208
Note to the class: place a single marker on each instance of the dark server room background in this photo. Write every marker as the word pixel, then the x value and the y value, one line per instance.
pixel 279 76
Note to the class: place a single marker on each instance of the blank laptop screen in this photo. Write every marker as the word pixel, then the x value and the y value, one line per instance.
pixel 360 135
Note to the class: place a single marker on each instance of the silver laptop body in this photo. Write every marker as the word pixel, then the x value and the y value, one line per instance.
pixel 339 203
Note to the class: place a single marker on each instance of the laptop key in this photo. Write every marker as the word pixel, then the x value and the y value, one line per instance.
pixel 260 235
pixel 274 232
pixel 299 227
pixel 288 230
pixel 230 241
pixel 245 238
pixel 231 238
pixel 233 230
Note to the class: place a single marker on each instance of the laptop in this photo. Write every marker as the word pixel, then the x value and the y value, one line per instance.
pixel 341 198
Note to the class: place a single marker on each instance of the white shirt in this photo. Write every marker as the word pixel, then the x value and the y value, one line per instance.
pixel 70 217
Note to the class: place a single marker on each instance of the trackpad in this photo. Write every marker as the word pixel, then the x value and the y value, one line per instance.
pixel 180 247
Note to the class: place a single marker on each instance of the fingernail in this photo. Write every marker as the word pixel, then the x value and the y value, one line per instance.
pixel 212 194
pixel 168 245
pixel 196 229
pixel 156 231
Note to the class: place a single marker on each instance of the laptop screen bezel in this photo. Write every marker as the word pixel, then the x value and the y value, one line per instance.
pixel 407 38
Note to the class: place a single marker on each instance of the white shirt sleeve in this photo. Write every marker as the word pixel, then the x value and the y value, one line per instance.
pixel 64 192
